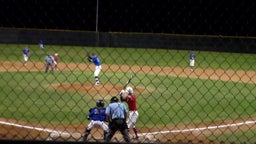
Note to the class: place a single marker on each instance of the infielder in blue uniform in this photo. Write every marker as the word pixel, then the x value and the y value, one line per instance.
pixel 97 115
pixel 26 54
pixel 95 59
pixel 41 44
pixel 192 58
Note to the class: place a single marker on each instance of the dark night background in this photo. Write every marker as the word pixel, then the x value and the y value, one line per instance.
pixel 211 17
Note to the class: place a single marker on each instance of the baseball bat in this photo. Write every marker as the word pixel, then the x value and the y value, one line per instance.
pixel 129 80
pixel 126 84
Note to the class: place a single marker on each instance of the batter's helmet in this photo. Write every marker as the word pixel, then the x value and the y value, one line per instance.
pixel 100 103
pixel 114 99
pixel 129 90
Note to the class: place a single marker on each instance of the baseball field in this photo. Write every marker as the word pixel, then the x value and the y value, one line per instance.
pixel 216 102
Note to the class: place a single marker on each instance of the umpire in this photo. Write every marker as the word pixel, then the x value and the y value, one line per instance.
pixel 49 63
pixel 116 114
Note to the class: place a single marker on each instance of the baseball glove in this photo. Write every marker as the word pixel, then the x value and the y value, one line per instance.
pixel 89 59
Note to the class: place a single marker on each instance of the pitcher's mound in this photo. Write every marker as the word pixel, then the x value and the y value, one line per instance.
pixel 101 89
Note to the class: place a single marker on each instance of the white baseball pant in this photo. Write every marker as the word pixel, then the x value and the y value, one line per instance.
pixel 133 116
pixel 97 71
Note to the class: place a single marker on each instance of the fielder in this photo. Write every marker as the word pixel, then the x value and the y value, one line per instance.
pixel 97 115
pixel 94 58
pixel 26 54
pixel 55 58
pixel 129 97
pixel 41 44
pixel 192 57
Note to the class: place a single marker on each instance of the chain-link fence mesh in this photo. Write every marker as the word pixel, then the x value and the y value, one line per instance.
pixel 210 101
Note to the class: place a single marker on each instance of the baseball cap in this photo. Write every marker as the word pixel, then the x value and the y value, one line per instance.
pixel 114 99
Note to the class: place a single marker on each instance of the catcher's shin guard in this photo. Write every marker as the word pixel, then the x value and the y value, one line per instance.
pixel 105 135
pixel 85 135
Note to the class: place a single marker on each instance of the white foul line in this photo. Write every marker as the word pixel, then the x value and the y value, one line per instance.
pixel 201 128
pixel 141 134
pixel 34 128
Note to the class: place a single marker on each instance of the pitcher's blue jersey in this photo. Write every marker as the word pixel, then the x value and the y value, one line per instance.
pixel 41 42
pixel 97 114
pixel 26 51
pixel 96 61
pixel 192 56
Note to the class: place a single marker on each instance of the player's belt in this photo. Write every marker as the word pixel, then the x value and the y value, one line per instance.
pixel 118 119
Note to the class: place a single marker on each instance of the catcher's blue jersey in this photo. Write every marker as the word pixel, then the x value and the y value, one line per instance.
pixel 96 61
pixel 97 114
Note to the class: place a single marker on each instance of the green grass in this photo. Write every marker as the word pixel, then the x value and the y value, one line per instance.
pixel 134 56
pixel 190 100
pixel 28 96
pixel 247 136
pixel 183 100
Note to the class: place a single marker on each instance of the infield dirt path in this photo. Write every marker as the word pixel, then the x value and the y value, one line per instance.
pixel 219 74
pixel 11 131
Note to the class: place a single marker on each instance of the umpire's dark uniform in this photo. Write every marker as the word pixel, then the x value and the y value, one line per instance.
pixel 116 116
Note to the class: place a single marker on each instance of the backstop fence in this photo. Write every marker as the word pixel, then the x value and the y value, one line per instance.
pixel 189 88
pixel 212 101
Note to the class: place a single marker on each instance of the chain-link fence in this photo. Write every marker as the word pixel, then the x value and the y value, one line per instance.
pixel 212 101
pixel 186 88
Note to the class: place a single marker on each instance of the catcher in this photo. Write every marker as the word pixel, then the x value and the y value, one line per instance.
pixel 97 115
pixel 94 58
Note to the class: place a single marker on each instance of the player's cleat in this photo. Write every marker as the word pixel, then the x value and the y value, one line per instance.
pixel 136 138
pixel 97 83
pixel 85 135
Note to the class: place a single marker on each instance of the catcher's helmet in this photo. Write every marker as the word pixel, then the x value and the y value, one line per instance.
pixel 129 90
pixel 114 99
pixel 100 103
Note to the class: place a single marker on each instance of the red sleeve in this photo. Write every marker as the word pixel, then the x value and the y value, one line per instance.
pixel 128 98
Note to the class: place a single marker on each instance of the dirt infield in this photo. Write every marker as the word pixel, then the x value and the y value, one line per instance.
pixel 24 130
